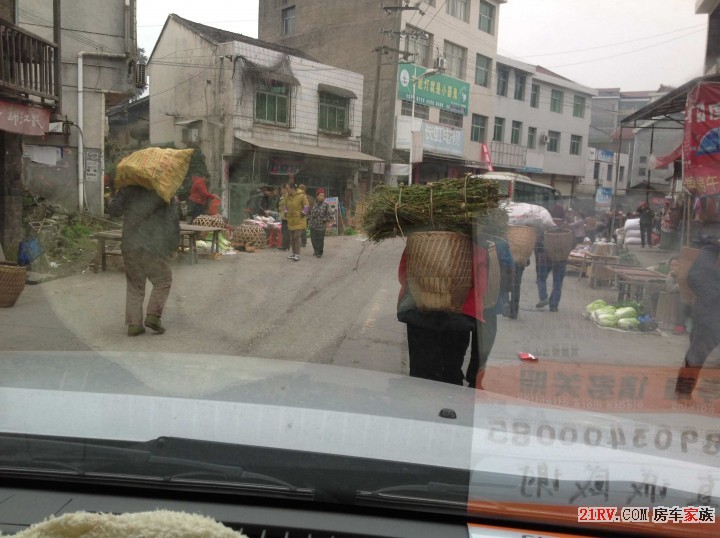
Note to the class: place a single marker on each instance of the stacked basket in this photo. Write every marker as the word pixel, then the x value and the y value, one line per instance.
pixel 558 244
pixel 12 283
pixel 439 270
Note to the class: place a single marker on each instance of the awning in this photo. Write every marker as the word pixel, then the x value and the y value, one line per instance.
pixel 289 147
pixel 660 162
pixel 187 122
pixel 670 103
pixel 336 90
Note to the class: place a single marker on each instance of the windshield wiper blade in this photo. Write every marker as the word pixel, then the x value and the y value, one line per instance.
pixel 438 493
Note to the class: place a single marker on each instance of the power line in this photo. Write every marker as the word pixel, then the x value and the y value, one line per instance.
pixel 206 23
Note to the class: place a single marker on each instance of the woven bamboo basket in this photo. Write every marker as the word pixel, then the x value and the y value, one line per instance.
pixel 439 270
pixel 493 278
pixel 687 259
pixel 558 244
pixel 214 221
pixel 521 240
pixel 12 283
pixel 251 234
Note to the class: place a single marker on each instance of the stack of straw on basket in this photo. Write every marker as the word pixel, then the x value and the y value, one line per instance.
pixel 439 220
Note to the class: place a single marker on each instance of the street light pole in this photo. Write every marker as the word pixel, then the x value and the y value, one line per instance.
pixel 415 79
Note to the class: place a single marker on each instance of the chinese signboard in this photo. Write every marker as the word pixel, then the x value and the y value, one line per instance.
pixel 701 146
pixel 439 139
pixel 24 119
pixel 439 91
pixel 603 196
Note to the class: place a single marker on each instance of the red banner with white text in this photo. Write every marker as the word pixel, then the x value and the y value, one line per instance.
pixel 701 145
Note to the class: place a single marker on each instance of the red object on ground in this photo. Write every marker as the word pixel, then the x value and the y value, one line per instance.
pixel 275 239
pixel 527 357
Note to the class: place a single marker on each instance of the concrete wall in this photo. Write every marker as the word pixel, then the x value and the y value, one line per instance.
pixel 663 141
pixel 97 26
pixel 606 162
pixel 344 34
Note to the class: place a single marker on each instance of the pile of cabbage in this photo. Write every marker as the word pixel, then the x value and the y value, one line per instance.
pixel 609 316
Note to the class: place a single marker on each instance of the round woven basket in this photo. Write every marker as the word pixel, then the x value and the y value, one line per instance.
pixel 687 259
pixel 12 283
pixel 493 278
pixel 558 244
pixel 439 270
pixel 215 221
pixel 521 240
pixel 251 234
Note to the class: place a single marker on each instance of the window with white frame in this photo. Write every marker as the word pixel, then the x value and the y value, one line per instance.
pixel 458 9
pixel 483 70
pixel 553 141
pixel 516 132
pixel 272 103
pixel 535 96
pixel 451 118
pixel 421 111
pixel 575 144
pixel 503 73
pixel 456 57
pixel 333 112
pixel 499 130
pixel 419 44
pixel 520 82
pixel 478 130
pixel 487 17
pixel 579 106
pixel 532 138
pixel 556 101
pixel 288 20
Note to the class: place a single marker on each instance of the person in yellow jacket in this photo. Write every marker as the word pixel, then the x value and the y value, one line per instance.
pixel 283 219
pixel 296 210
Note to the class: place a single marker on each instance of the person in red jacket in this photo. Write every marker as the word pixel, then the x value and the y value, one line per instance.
pixel 199 197
pixel 437 341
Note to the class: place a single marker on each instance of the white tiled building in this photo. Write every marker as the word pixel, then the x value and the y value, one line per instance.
pixel 541 124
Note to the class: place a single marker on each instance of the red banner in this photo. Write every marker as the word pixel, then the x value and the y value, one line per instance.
pixel 24 119
pixel 701 145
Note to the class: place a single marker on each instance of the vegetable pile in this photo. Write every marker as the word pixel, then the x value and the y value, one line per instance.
pixel 454 205
pixel 623 317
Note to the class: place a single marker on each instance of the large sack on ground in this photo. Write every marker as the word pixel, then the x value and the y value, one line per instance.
pixel 159 169
pixel 632 224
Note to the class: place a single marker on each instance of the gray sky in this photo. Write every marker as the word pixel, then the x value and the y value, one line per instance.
pixel 631 44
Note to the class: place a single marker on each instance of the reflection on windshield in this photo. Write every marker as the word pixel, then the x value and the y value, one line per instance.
pixel 415 269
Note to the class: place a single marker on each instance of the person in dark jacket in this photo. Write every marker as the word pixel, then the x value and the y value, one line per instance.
pixel 151 234
pixel 704 281
pixel 320 215
pixel 647 216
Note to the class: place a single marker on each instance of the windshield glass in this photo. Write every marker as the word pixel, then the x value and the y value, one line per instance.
pixel 269 248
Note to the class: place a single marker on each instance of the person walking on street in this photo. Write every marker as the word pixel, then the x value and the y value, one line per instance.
pixel 283 220
pixel 704 281
pixel 647 215
pixel 543 267
pixel 151 234
pixel 320 215
pixel 303 238
pixel 296 210
pixel 199 197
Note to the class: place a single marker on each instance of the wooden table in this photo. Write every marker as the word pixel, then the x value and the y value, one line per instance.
pixel 186 230
pixel 598 264
pixel 632 282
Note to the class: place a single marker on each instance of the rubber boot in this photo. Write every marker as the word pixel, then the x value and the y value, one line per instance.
pixel 686 381
pixel 135 330
pixel 154 323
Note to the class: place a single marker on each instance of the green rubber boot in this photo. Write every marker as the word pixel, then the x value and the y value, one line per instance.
pixel 154 323
pixel 135 330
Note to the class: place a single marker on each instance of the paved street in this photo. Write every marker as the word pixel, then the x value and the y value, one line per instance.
pixel 337 310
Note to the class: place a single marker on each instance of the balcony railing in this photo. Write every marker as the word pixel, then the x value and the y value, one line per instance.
pixel 27 64
pixel 513 155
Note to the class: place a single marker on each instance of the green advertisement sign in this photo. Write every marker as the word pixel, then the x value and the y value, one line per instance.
pixel 439 91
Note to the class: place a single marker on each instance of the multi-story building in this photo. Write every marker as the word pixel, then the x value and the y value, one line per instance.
pixel 97 46
pixel 393 46
pixel 29 94
pixel 541 124
pixel 605 169
pixel 260 112
pixel 712 51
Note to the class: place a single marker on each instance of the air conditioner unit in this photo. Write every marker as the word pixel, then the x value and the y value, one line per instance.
pixel 441 64
pixel 140 75
pixel 544 138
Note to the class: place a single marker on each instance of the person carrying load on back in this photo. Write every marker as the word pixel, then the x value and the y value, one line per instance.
pixel 199 197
